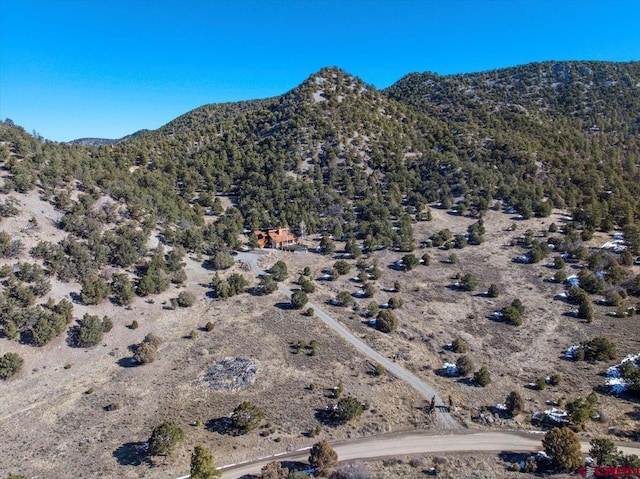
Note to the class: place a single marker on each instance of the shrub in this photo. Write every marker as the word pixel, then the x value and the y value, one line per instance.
pixel 560 276
pixel 92 329
pixel 576 295
pixel 372 309
pixel 512 314
pixel 202 464
pixel 394 302
pixel 10 330
pixel 94 290
pixel 465 365
pixel 10 364
pixel 275 470
pixel 555 379
pixel 147 350
pixel 145 353
pixel 221 259
pixel 581 410
pixel 306 285
pixel 604 451
pixel 599 349
pixel 323 458
pixel 482 377
pixel 459 345
pixel 152 339
pixel 279 271
pixel 585 310
pixel 154 281
pixel 122 289
pixel 347 409
pixel 369 290
pixel 493 291
pixel 164 438
pixel 209 326
pixel 540 384
pixel 563 446
pixel 409 261
pixel 342 267
pixel 514 403
pixel 344 299
pixel 386 321
pixel 186 299
pixel 299 299
pixel 267 285
pixel 469 282
pixel 246 416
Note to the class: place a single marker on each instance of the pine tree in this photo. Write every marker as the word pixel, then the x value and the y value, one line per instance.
pixel 563 446
pixel 202 464
pixel 323 458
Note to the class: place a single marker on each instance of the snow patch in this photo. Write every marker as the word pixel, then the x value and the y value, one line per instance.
pixel 571 351
pixel 573 281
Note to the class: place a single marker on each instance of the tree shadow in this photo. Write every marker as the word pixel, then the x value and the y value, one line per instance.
pixel 397 267
pixel 75 297
pixel 132 454
pixel 501 413
pixel 296 466
pixel 327 416
pixel 512 457
pixel 26 337
pixel 285 306
pixel 128 362
pixel 72 336
pixel 211 294
pixel 223 426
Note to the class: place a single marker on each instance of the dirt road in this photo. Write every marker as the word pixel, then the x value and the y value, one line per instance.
pixel 445 419
pixel 413 443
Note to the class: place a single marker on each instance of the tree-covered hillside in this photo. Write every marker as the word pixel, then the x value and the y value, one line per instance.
pixel 337 155
pixel 575 124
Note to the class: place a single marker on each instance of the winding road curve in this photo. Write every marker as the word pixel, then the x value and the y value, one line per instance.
pixel 447 423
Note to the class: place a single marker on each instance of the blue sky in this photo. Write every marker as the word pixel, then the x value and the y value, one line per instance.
pixel 79 68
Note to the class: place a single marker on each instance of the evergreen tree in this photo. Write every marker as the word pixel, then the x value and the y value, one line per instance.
pixel 202 464
pixel 164 439
pixel 323 457
pixel 563 446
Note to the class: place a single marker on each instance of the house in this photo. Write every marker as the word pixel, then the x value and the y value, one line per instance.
pixel 281 238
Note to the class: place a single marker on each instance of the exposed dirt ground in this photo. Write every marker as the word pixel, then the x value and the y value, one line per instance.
pixel 52 427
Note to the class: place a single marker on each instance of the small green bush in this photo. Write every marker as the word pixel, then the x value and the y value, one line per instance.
pixel 10 364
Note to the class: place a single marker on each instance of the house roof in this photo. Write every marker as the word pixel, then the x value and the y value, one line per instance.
pixel 276 236
pixel 281 235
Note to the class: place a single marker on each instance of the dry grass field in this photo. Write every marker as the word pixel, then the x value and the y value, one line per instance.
pixel 55 422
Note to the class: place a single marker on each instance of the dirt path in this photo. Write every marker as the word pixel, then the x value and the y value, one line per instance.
pixel 447 423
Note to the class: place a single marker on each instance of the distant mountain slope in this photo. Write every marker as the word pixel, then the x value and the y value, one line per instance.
pixel 105 141
pixel 92 141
